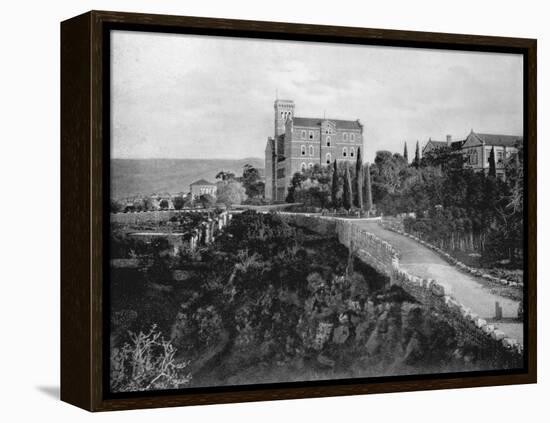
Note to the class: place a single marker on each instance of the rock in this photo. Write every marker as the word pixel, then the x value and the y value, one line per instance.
pixel 323 360
pixel 480 323
pixel 509 342
pixel 341 334
pixel 488 329
pixel 498 335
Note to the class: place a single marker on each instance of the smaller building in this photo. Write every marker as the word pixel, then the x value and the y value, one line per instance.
pixel 202 187
pixel 433 145
pixel 476 149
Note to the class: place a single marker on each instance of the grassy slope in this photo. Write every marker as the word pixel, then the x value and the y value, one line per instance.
pixel 146 176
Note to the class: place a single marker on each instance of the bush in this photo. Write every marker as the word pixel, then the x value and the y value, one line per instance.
pixel 147 363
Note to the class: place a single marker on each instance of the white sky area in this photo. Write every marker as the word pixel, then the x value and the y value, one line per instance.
pixel 186 96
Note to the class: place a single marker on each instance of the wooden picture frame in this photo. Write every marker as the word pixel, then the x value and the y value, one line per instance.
pixel 85 170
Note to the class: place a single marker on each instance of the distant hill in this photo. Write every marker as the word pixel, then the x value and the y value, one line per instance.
pixel 146 176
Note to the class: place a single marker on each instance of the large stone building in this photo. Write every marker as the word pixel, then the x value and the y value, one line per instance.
pixel 477 148
pixel 300 143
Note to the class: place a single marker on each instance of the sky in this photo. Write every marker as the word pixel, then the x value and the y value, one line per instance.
pixel 187 96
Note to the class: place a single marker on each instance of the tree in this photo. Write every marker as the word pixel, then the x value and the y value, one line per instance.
pixel 368 189
pixel 251 181
pixel 416 161
pixel 492 164
pixel 207 201
pixel 334 191
pixel 225 176
pixel 231 193
pixel 406 153
pixel 348 193
pixel 178 202
pixel 359 179
pixel 116 206
pixel 163 204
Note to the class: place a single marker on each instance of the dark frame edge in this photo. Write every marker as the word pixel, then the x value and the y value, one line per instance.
pixel 82 212
pixel 76 301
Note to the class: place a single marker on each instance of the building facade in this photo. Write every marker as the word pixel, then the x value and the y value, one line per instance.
pixel 476 149
pixel 300 143
pixel 202 187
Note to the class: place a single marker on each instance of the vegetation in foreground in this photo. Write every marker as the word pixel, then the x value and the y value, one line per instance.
pixel 268 302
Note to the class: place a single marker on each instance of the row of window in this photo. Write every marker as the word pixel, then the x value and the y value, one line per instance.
pixel 473 157
pixel 310 135
pixel 344 151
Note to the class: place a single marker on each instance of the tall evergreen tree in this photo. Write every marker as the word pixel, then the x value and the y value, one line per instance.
pixel 348 194
pixel 416 162
pixel 405 152
pixel 359 179
pixel 335 185
pixel 368 189
pixel 492 163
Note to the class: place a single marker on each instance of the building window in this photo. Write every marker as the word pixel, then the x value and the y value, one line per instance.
pixel 499 157
pixel 303 166
pixel 280 173
pixel 345 151
pixel 352 152
pixel 328 141
pixel 303 135
pixel 352 137
pixel 329 158
pixel 303 150
pixel 310 165
pixel 311 150
pixel 345 136
pixel 310 135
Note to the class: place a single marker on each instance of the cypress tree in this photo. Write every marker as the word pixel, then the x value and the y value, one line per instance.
pixel 368 189
pixel 335 185
pixel 416 161
pixel 348 194
pixel 406 153
pixel 492 163
pixel 359 179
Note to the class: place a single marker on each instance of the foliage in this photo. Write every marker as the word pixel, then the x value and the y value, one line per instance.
pixel 178 202
pixel 359 180
pixel 116 206
pixel 225 176
pixel 163 204
pixel 230 193
pixel 251 181
pixel 492 163
pixel 348 192
pixel 147 363
pixel 206 201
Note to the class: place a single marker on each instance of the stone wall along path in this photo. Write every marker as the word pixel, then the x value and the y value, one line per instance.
pixel 465 288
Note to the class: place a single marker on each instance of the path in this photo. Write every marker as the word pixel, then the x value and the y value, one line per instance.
pixel 465 288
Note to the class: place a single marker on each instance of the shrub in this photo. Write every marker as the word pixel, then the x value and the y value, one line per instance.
pixel 147 363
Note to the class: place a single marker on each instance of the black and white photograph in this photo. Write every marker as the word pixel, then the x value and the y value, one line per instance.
pixel 296 211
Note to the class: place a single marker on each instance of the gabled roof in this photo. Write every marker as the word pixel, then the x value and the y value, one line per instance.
pixel 497 139
pixel 340 124
pixel 202 182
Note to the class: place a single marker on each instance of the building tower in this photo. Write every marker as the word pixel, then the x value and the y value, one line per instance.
pixel 284 109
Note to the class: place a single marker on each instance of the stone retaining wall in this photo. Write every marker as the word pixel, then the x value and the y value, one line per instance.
pixel 384 258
